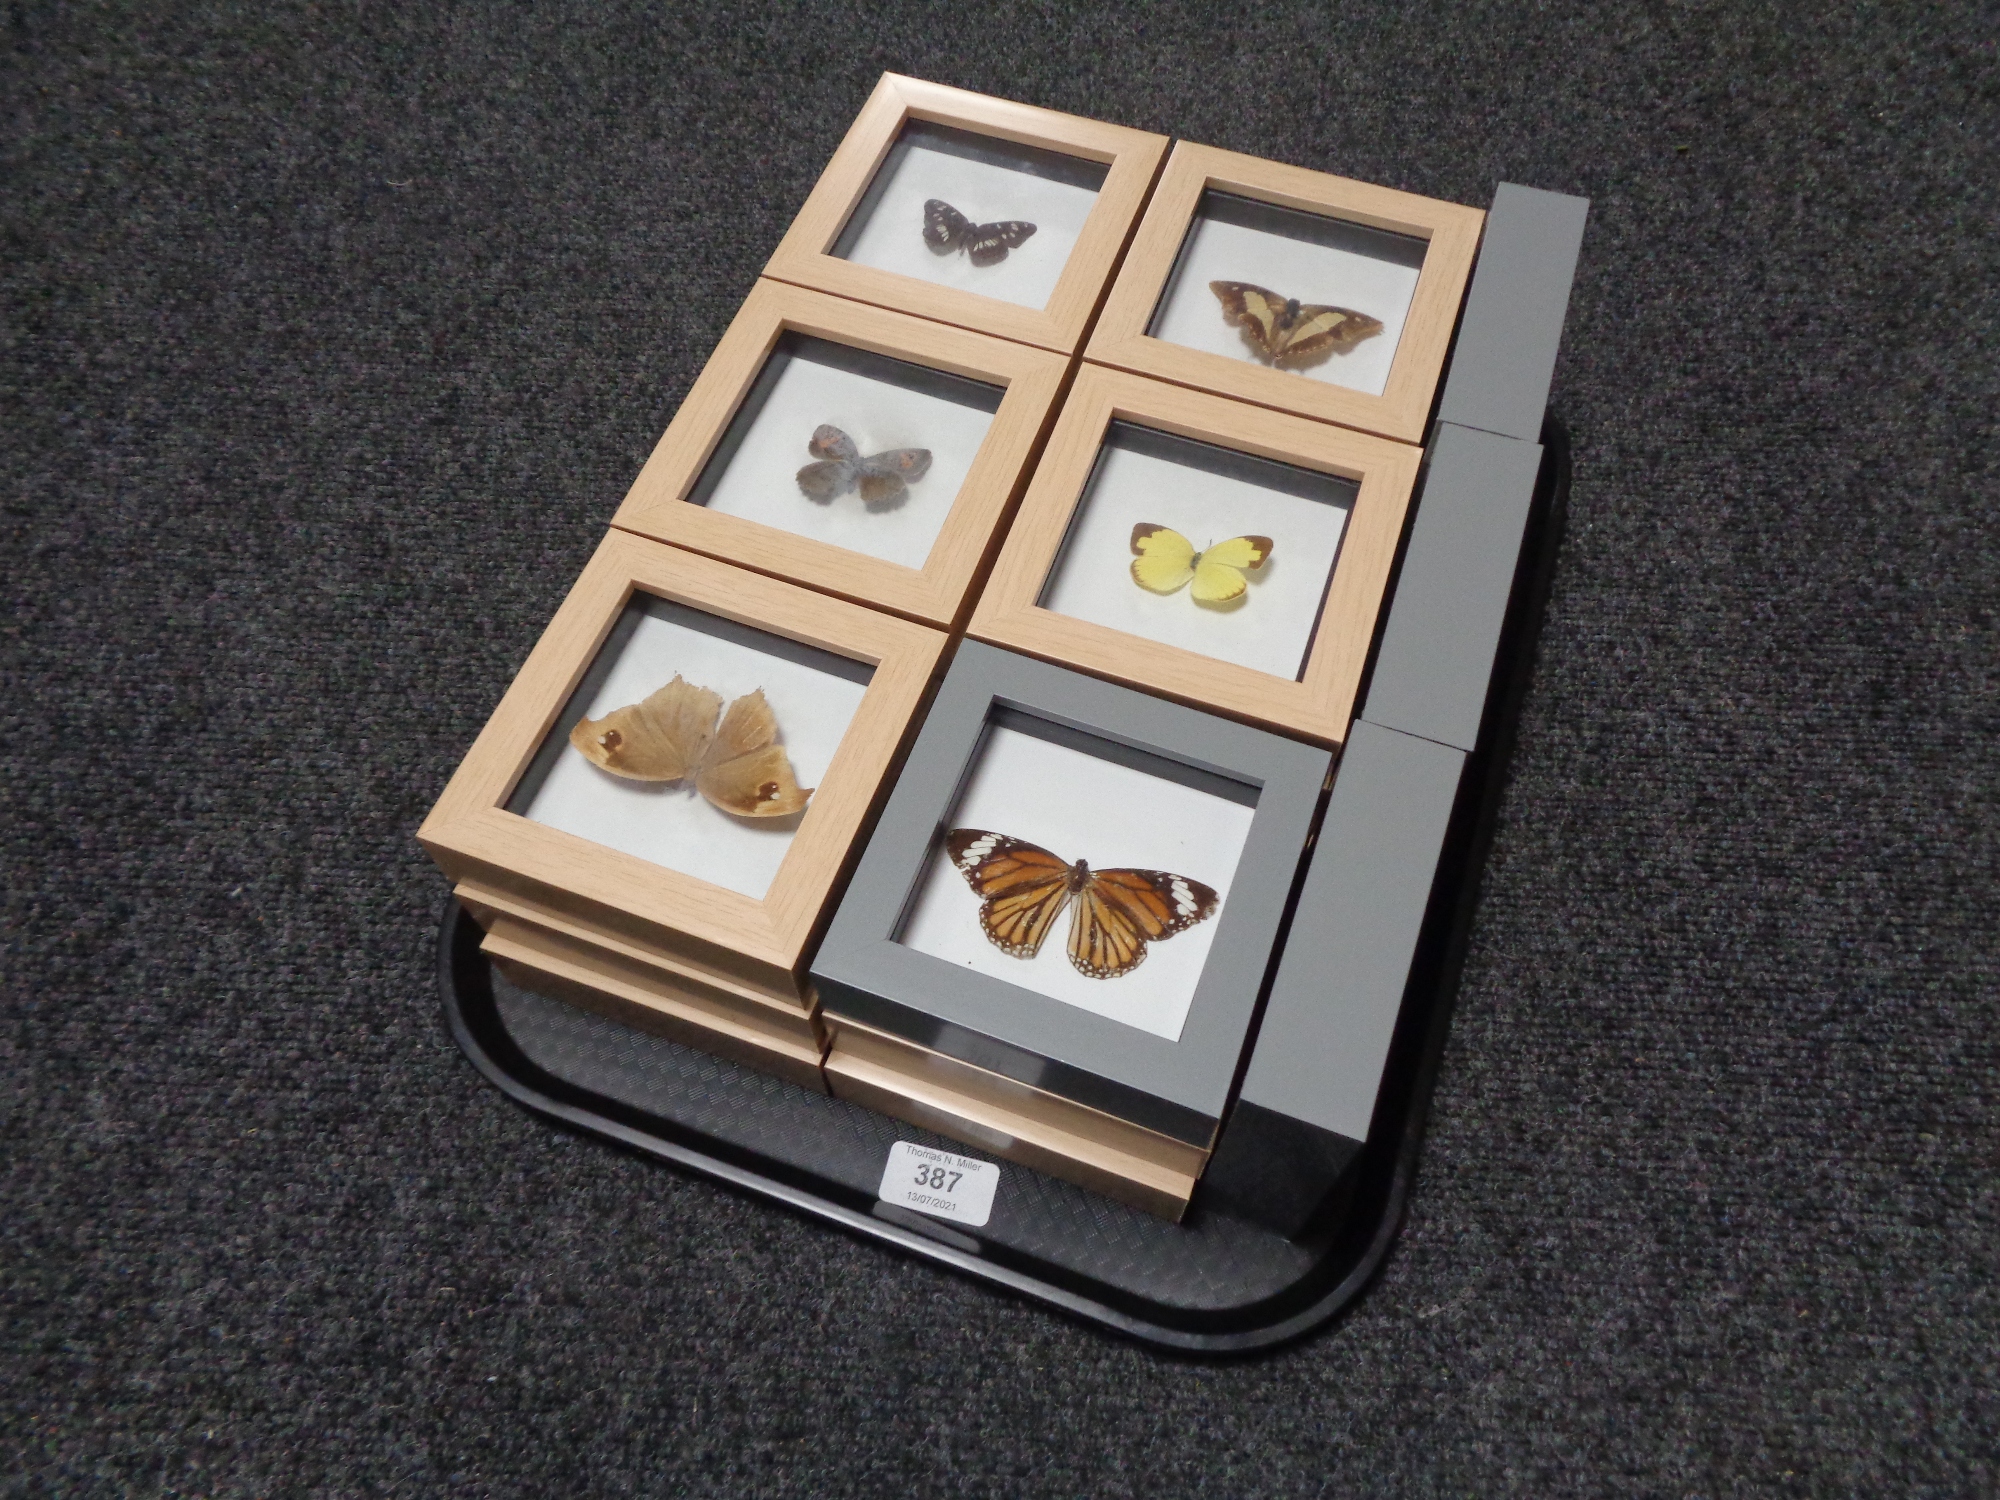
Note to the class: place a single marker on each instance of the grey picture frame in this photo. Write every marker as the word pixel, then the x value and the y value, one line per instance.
pixel 1510 331
pixel 1311 1086
pixel 1311 1082
pixel 1178 1088
pixel 1442 634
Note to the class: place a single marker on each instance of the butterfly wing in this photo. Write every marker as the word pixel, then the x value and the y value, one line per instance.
pixel 827 479
pixel 661 738
pixel 1258 312
pixel 761 784
pixel 986 244
pixel 749 725
pixel 1022 888
pixel 909 464
pixel 1218 576
pixel 745 771
pixel 834 474
pixel 883 491
pixel 1316 331
pixel 1119 911
pixel 944 226
pixel 828 441
pixel 886 477
pixel 1162 559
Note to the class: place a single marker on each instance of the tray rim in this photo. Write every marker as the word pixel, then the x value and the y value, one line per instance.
pixel 813 1205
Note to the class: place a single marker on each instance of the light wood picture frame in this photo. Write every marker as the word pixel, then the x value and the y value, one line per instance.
pixel 1318 704
pixel 762 1035
pixel 992 1112
pixel 938 593
pixel 1451 232
pixel 1131 159
pixel 474 837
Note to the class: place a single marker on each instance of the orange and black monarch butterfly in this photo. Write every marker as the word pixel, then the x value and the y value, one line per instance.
pixel 1023 889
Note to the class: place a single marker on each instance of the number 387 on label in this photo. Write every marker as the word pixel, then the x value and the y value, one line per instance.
pixel 940 1183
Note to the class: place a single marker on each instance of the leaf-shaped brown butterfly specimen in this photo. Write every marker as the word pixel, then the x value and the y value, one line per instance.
pixel 1023 889
pixel 1289 333
pixel 946 230
pixel 672 734
pixel 884 478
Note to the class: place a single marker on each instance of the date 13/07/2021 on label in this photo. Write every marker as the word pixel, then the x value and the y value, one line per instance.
pixel 941 1183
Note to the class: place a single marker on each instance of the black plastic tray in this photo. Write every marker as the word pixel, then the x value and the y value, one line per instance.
pixel 1211 1284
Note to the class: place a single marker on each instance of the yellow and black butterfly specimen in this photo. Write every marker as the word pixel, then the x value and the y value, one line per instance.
pixel 739 766
pixel 946 230
pixel 883 478
pixel 1286 332
pixel 1023 889
pixel 1163 560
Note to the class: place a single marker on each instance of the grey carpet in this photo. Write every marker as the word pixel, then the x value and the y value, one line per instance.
pixel 333 335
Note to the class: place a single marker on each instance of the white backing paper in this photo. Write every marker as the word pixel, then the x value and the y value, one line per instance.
pixel 672 824
pixel 1218 251
pixel 893 237
pixel 1268 629
pixel 1080 807
pixel 761 480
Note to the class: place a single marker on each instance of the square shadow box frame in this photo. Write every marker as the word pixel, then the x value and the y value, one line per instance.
pixel 1152 1088
pixel 1223 441
pixel 904 116
pixel 1278 203
pixel 1273 1246
pixel 864 355
pixel 721 957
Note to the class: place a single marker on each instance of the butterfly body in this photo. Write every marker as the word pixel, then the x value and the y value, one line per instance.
pixel 883 478
pixel 738 765
pixel 1023 888
pixel 1286 332
pixel 947 230
pixel 1164 561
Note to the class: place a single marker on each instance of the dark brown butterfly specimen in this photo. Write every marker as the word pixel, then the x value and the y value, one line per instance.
pixel 883 478
pixel 946 230
pixel 1024 888
pixel 1286 332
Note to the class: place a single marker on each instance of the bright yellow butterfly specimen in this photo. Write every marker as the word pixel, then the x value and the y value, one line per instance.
pixel 1163 560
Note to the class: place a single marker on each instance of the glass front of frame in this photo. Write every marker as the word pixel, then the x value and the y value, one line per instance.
pixel 1312 294
pixel 850 448
pixel 1076 799
pixel 694 823
pixel 1009 216
pixel 1167 526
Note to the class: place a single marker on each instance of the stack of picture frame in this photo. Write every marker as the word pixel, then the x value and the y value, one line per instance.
pixel 949 721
